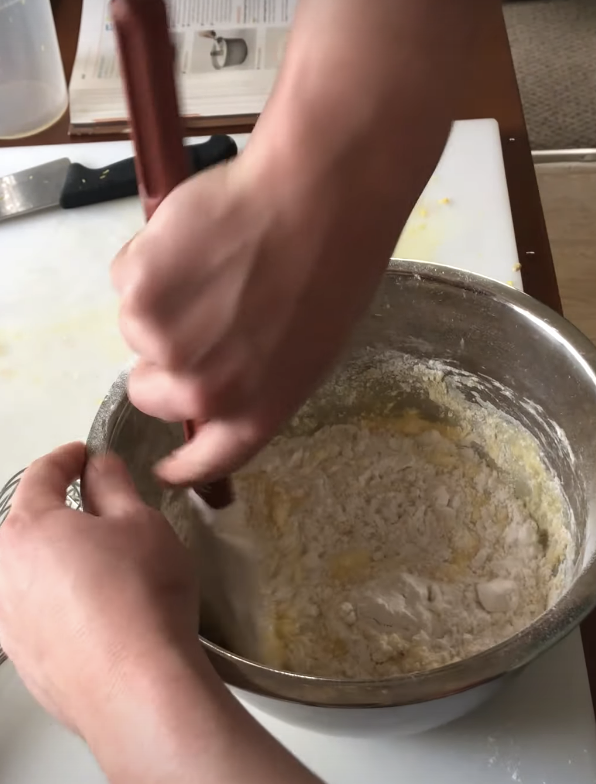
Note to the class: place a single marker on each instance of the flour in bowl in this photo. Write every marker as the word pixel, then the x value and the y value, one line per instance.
pixel 391 547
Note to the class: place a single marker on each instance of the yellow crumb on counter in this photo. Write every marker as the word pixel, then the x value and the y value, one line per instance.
pixel 445 200
pixel 516 267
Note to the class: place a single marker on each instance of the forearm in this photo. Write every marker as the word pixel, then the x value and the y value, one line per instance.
pixel 369 87
pixel 175 721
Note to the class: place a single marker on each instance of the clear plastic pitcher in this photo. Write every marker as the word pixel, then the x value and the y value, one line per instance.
pixel 33 92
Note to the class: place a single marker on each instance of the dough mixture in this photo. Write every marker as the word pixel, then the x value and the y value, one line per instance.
pixel 391 548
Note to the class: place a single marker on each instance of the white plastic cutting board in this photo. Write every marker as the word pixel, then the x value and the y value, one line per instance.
pixel 59 352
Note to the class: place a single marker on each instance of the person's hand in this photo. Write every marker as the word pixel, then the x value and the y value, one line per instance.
pixel 86 598
pixel 245 284
pixel 238 295
pixel 99 612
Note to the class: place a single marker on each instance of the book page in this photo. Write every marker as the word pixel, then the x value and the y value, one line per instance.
pixel 228 55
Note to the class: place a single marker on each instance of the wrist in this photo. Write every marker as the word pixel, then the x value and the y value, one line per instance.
pixel 175 721
pixel 138 730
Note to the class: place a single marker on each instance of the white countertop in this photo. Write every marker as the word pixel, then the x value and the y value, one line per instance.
pixel 539 730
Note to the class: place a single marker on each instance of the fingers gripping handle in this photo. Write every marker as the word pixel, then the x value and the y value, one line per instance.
pixel 218 494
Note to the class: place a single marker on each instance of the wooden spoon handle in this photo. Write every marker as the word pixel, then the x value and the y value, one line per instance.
pixel 147 59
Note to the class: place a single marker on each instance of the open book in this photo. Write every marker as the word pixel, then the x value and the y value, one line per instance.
pixel 228 55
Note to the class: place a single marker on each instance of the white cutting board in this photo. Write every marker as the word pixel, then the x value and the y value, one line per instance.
pixel 59 352
pixel 463 217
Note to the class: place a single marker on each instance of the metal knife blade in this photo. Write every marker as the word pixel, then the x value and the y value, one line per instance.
pixel 70 185
pixel 33 189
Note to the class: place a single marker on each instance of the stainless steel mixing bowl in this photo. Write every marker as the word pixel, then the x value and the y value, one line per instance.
pixel 501 335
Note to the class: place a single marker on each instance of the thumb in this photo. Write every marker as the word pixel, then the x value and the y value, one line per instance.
pixel 44 484
pixel 108 489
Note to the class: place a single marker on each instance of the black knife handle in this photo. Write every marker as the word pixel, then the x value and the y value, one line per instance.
pixel 84 186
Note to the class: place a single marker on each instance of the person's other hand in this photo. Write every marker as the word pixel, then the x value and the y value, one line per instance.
pixel 86 598
pixel 238 295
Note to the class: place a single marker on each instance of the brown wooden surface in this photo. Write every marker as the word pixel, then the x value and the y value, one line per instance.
pixel 491 92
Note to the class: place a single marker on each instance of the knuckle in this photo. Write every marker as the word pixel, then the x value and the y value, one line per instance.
pixel 197 400
pixel 145 335
pixel 167 352
pixel 129 326
pixel 36 465
pixel 231 381
pixel 248 383
pixel 15 521
pixel 139 296
pixel 255 433
pixel 140 283
pixel 126 263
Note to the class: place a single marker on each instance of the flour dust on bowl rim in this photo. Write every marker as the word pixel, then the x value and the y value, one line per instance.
pixel 532 365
